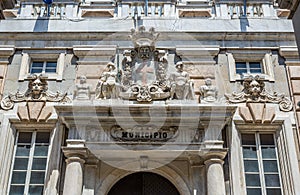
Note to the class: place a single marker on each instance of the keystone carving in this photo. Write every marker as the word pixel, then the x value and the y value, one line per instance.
pixel 254 91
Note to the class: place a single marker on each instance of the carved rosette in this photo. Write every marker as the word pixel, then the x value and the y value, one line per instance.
pixel 37 91
pixel 254 91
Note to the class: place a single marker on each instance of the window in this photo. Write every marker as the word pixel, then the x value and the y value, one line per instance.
pixel 39 67
pixel 30 160
pixel 261 164
pixel 245 62
pixel 248 68
pixel 51 62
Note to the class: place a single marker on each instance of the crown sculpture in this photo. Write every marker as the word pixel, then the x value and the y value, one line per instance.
pixel 143 73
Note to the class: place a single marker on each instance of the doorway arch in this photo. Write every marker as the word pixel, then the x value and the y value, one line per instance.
pixel 143 183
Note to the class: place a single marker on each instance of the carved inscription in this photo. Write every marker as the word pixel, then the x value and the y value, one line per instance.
pixel 144 133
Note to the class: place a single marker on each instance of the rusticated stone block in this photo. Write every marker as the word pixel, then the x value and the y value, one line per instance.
pixel 296 86
pixel 245 114
pixel 269 114
pixel 46 113
pixel 34 109
pixel 23 113
pixel 296 100
pixel 257 111
pixel 294 72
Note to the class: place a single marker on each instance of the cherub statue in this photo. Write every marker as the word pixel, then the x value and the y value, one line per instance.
pixel 82 90
pixel 208 92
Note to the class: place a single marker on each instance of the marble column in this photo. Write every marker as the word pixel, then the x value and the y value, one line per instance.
pixel 215 176
pixel 75 153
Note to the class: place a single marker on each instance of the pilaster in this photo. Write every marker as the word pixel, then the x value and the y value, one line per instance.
pixel 76 152
pixel 5 52
pixel 215 174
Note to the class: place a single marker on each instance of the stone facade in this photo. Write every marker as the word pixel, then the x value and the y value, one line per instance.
pixel 177 89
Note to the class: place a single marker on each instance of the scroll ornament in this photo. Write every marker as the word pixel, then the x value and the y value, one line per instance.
pixel 254 91
pixel 37 91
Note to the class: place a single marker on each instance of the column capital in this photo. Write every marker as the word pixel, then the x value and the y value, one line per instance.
pixel 213 161
pixel 75 151
pixel 214 154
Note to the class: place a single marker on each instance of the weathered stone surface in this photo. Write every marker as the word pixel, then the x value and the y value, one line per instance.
pixel 296 100
pixel 269 114
pixel 200 71
pixel 294 72
pixel 2 71
pixel 245 114
pixel 34 109
pixel 23 113
pixel 46 113
pixel 257 111
pixel 296 86
pixel 90 71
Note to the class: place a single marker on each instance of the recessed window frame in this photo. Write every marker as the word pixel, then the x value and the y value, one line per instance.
pixel 249 69
pixel 44 67
pixel 31 157
pixel 29 56
pixel 260 160
pixel 263 57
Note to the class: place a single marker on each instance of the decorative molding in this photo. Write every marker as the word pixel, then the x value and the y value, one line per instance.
pixel 257 113
pixel 254 91
pixel 143 74
pixel 34 111
pixel 92 50
pixel 37 91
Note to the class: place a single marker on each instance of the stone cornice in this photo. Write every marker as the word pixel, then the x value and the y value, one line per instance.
pixel 111 110
pixel 182 25
pixel 196 50
pixel 289 52
pixel 94 50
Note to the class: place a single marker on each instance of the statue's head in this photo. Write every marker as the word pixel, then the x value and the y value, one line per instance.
pixel 254 86
pixel 179 66
pixel 110 66
pixel 82 79
pixel 144 52
pixel 37 85
pixel 208 81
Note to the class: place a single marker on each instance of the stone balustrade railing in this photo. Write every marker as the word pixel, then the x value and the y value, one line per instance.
pixel 56 10
pixel 150 8
pixel 252 10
